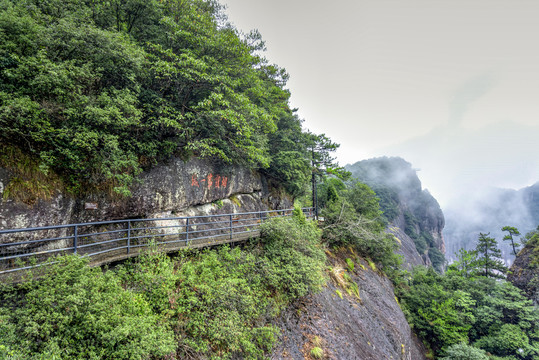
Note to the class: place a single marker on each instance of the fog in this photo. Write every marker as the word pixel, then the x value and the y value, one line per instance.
pixel 466 170
pixel 454 163
pixel 449 86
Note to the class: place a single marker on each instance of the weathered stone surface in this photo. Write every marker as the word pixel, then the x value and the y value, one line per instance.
pixel 370 328
pixel 524 273
pixel 166 189
pixel 175 189
pixel 407 249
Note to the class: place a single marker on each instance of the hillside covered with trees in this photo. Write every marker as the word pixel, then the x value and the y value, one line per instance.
pixel 93 92
pixel 405 205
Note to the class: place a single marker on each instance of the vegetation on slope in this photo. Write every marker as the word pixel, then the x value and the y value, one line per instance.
pixel 352 218
pixel 215 303
pixel 96 91
pixel 399 190
pixel 469 308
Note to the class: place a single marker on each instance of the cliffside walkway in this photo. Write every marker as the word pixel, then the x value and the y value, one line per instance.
pixel 109 241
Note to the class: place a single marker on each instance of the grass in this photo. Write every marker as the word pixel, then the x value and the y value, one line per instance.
pixel 317 352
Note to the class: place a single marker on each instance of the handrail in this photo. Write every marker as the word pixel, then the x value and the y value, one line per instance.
pixel 107 241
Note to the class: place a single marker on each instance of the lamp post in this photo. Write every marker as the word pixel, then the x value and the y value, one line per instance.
pixel 315 200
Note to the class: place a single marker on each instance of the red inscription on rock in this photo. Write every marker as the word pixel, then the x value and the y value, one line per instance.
pixel 215 181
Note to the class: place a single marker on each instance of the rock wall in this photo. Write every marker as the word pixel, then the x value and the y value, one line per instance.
pixel 415 216
pixel 407 248
pixel 524 273
pixel 177 188
pixel 371 327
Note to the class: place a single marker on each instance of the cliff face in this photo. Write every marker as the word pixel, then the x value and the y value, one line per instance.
pixel 370 326
pixel 524 272
pixel 174 189
pixel 414 216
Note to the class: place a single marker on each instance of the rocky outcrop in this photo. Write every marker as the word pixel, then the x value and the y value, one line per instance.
pixel 166 189
pixel 415 217
pixel 524 273
pixel 177 188
pixel 370 326
pixel 407 248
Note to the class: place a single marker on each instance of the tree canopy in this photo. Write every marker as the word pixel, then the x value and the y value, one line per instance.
pixel 97 91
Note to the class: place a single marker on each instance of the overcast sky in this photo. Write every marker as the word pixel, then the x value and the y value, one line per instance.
pixel 452 86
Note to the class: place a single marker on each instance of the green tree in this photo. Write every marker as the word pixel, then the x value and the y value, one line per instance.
pixel 512 231
pixel 364 201
pixel 355 220
pixel 439 307
pixel 463 351
pixel 466 264
pixel 489 256
pixel 97 91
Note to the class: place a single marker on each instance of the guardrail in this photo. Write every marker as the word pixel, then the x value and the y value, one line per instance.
pixel 108 241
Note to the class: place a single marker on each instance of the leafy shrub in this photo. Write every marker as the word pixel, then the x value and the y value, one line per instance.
pixel 222 306
pixel 153 276
pixel 294 257
pixel 317 352
pixel 75 311
pixel 463 351
pixel 215 304
pixel 506 341
pixel 344 227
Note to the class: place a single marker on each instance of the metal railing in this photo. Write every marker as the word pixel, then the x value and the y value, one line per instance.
pixel 108 241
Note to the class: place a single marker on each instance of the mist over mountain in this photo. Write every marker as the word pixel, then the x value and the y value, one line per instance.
pixel 488 210
pixel 413 214
pixel 456 160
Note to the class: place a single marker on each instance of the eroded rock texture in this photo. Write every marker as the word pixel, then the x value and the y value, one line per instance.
pixel 524 272
pixel 371 327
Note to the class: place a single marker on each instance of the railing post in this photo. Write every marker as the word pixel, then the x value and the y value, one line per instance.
pixel 187 231
pixel 128 236
pixel 230 226
pixel 75 238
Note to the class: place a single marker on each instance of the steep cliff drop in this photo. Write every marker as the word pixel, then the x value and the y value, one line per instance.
pixel 346 322
pixel 524 272
pixel 413 214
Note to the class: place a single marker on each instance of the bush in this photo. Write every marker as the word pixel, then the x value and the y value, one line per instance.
pixel 75 311
pixel 152 275
pixel 294 257
pixel 215 304
pixel 464 352
pixel 345 227
pixel 222 306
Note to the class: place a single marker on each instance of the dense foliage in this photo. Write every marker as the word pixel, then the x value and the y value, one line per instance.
pixel 352 217
pixel 466 308
pixel 215 304
pixel 399 191
pixel 75 311
pixel 95 91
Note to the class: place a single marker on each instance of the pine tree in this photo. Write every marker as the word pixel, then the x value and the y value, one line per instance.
pixel 513 231
pixel 489 257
